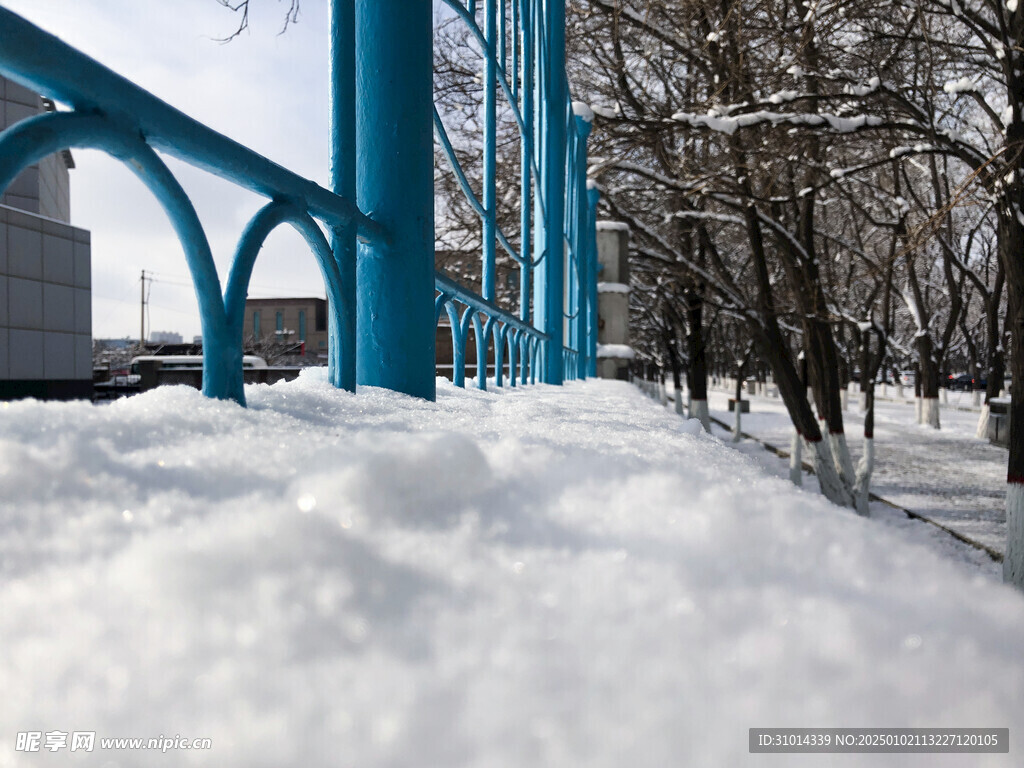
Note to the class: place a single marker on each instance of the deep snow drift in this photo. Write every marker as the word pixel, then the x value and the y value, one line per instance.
pixel 543 577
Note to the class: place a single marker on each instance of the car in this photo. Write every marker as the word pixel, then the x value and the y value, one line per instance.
pixel 961 383
pixel 906 378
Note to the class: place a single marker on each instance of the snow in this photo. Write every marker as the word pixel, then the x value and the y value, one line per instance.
pixel 583 111
pixel 618 351
pixel 612 288
pixel 784 96
pixel 532 577
pixel 963 85
pixel 873 84
pixel 729 125
pixel 607 112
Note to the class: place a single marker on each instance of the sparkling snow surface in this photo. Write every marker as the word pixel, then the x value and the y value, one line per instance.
pixel 544 577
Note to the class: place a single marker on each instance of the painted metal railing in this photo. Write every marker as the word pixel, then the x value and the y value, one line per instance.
pixel 376 258
pixel 555 334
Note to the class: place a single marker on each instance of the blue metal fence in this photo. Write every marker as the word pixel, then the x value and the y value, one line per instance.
pixel 377 259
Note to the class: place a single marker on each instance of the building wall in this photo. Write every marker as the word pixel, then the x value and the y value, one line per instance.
pixel 54 189
pixel 45 308
pixel 316 322
pixel 45 266
pixel 43 189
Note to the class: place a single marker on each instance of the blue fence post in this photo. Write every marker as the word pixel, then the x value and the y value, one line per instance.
pixel 342 320
pixel 499 332
pixel 526 156
pixel 569 227
pixel 593 195
pixel 549 307
pixel 584 117
pixel 395 187
pixel 490 151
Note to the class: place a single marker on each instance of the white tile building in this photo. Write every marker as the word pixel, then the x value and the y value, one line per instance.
pixel 45 268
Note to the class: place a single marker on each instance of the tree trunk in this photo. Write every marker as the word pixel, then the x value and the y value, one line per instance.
pixel 796 464
pixel 918 410
pixel 865 362
pixel 697 375
pixel 775 352
pixel 862 485
pixel 996 368
pixel 738 410
pixel 1011 246
pixel 926 384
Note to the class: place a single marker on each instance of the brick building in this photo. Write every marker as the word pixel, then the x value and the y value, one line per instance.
pixel 294 322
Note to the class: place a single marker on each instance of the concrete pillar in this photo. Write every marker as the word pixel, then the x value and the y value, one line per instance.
pixel 614 352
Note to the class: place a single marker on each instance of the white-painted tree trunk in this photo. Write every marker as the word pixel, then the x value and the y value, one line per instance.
pixel 736 422
pixel 982 432
pixel 862 485
pixel 689 403
pixel 841 456
pixel 944 396
pixel 796 461
pixel 885 391
pixel 1013 561
pixel 844 399
pixel 679 402
pixel 930 412
pixel 832 485
pixel 918 411
pixel 699 410
pixel 862 406
pixel 976 398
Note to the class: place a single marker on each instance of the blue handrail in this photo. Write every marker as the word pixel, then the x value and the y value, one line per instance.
pixel 43 62
pixel 376 259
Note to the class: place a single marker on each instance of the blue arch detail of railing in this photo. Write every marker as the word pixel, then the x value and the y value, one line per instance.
pixel 377 266
pixel 271 216
pixel 29 141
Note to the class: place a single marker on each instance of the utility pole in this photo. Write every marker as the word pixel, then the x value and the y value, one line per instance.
pixel 142 311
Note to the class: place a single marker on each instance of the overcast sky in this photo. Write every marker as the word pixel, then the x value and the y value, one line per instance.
pixel 267 91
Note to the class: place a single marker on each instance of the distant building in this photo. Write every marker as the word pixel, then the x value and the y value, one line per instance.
pixel 125 343
pixel 45 274
pixel 165 337
pixel 297 322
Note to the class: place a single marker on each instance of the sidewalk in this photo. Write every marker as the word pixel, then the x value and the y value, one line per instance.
pixel 947 475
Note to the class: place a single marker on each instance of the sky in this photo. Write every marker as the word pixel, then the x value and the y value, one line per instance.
pixel 265 90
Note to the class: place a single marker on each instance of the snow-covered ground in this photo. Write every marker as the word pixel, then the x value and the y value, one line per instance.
pixel 549 576
pixel 948 475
